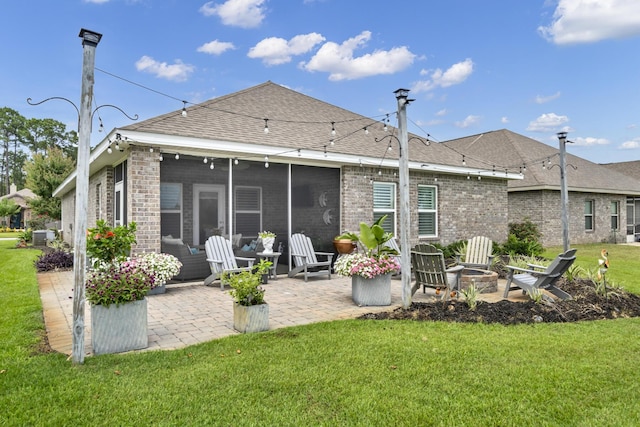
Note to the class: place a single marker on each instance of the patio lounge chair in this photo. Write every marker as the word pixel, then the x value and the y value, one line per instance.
pixel 539 277
pixel 222 260
pixel 305 258
pixel 478 253
pixel 429 269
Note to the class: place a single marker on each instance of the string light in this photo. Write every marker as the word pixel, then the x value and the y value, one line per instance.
pixel 299 153
pixel 177 156
pixel 109 150
pixel 331 141
pixel 235 161
pixel 211 166
pixel 389 148
pixel 161 157
pixel 385 123
pixel 333 128
pixel 266 126
pixel 151 149
pixel 464 162
pixel 184 108
pixel 366 131
pixel 266 161
pixel 379 172
pixel 205 160
pixel 325 151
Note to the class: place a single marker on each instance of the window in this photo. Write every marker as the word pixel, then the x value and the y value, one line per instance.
pixel 588 215
pixel 615 223
pixel 171 209
pixel 384 203
pixel 427 211
pixel 248 211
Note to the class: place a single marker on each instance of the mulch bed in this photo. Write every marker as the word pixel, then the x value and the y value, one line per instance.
pixel 585 305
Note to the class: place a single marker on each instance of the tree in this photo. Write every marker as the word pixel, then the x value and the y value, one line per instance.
pixel 8 208
pixel 44 174
pixel 42 134
pixel 12 133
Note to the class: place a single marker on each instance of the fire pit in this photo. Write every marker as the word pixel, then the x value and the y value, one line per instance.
pixel 486 281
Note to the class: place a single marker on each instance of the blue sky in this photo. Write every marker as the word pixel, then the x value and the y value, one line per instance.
pixel 535 67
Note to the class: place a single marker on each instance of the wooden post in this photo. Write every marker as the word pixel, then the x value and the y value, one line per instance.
pixel 564 193
pixel 90 40
pixel 405 214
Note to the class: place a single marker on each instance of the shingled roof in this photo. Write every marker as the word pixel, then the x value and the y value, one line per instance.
pixel 296 122
pixel 506 149
pixel 631 169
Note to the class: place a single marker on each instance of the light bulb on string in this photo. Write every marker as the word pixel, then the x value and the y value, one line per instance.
pixel 177 156
pixel 366 131
pixel 205 160
pixel 109 150
pixel 235 161
pixel 333 128
pixel 464 162
pixel 266 161
pixel 211 166
pixel 151 149
pixel 161 157
pixel 266 126
pixel 184 108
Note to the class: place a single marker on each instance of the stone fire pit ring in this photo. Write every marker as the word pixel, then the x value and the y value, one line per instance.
pixel 486 281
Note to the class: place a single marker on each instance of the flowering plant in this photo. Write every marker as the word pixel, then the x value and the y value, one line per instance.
pixel 366 266
pixel 117 283
pixel 377 258
pixel 265 234
pixel 106 244
pixel 162 266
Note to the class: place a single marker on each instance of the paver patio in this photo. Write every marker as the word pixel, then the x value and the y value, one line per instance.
pixel 191 313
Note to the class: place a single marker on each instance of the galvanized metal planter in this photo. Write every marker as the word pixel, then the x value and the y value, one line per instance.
pixel 376 291
pixel 160 289
pixel 250 318
pixel 119 328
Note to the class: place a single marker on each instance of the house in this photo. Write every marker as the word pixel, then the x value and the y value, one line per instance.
pixel 270 158
pixel 631 169
pixel 597 194
pixel 20 198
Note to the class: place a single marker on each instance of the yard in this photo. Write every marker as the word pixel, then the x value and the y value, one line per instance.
pixel 351 372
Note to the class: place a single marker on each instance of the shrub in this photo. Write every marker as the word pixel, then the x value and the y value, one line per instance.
pixel 524 239
pixel 56 260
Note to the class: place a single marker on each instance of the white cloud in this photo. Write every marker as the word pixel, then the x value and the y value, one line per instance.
pixel 504 120
pixel 549 122
pixel 631 144
pixel 216 47
pixel 456 74
pixel 177 72
pixel 468 121
pixel 540 99
pixel 588 21
pixel 442 112
pixel 236 13
pixel 275 50
pixel 338 59
pixel 590 141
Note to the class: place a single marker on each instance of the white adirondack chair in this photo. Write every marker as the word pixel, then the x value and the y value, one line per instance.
pixel 478 253
pixel 221 259
pixel 305 258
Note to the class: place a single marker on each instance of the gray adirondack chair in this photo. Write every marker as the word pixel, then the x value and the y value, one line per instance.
pixel 477 253
pixel 540 277
pixel 305 258
pixel 221 259
pixel 430 271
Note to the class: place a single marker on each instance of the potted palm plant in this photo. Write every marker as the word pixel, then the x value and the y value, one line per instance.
pixel 250 311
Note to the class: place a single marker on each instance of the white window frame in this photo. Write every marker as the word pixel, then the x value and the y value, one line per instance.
pixel 615 206
pixel 236 211
pixel 591 215
pixel 177 187
pixel 386 209
pixel 433 211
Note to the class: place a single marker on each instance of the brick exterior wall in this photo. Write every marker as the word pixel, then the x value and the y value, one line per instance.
pixel 466 207
pixel 544 209
pixel 143 194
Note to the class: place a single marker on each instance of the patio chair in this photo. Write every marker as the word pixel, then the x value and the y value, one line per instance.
pixel 222 260
pixel 540 277
pixel 305 258
pixel 430 271
pixel 478 253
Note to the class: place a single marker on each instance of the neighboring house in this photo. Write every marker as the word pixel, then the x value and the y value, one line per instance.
pixel 631 169
pixel 597 194
pixel 218 170
pixel 20 198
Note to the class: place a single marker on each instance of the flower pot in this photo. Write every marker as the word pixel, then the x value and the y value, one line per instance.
pixel 250 318
pixel 268 242
pixel 118 328
pixel 160 289
pixel 344 246
pixel 376 291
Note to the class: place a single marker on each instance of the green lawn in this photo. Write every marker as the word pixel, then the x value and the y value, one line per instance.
pixel 369 373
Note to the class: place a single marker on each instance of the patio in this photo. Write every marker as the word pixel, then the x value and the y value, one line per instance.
pixel 191 313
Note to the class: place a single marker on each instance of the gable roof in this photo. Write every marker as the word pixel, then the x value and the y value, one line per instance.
pixel 506 148
pixel 296 122
pixel 631 169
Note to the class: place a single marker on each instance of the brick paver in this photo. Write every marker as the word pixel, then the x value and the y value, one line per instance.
pixel 189 313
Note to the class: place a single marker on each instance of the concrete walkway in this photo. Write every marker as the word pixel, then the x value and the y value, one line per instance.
pixel 191 313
